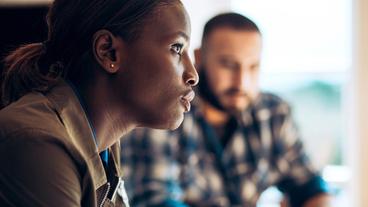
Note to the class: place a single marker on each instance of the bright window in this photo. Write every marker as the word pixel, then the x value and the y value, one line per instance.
pixel 302 35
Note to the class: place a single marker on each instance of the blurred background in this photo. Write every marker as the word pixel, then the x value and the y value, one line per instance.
pixel 315 56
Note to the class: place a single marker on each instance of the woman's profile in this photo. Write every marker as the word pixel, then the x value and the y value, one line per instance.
pixel 107 67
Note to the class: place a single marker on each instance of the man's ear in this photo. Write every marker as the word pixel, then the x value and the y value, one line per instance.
pixel 198 58
pixel 106 50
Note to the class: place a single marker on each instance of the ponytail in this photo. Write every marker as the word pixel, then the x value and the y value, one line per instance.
pixel 23 74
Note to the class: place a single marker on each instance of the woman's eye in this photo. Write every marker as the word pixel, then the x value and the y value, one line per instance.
pixel 177 48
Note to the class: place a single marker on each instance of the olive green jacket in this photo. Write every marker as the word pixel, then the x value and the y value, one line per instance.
pixel 48 155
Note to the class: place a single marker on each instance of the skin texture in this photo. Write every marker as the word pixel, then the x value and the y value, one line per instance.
pixel 141 83
pixel 231 59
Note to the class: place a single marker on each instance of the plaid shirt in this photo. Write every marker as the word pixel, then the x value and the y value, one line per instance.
pixel 192 167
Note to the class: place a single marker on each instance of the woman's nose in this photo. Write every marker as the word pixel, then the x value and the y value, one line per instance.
pixel 190 75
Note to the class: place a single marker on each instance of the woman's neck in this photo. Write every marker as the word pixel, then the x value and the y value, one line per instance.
pixel 109 122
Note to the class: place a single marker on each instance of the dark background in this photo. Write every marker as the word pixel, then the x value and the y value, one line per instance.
pixel 20 25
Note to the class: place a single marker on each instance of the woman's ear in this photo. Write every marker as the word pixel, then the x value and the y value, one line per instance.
pixel 107 49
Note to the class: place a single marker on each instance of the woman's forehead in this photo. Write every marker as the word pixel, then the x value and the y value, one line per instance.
pixel 167 21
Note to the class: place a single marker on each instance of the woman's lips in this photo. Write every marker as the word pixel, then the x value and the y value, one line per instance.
pixel 185 100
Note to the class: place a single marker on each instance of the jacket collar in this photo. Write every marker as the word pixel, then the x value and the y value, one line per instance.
pixel 73 116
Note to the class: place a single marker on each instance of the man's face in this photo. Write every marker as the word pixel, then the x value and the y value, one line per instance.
pixel 231 60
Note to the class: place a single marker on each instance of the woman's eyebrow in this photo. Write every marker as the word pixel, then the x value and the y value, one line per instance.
pixel 181 34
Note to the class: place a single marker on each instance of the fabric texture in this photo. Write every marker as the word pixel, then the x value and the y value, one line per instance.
pixel 192 166
pixel 49 156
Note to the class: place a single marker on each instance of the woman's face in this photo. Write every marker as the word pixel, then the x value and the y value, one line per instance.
pixel 156 77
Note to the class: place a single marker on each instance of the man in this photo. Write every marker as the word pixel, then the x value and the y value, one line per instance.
pixel 236 142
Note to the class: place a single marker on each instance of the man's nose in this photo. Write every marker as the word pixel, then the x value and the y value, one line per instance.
pixel 242 78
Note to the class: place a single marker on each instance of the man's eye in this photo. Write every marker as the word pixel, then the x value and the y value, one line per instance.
pixel 228 64
pixel 177 48
pixel 254 67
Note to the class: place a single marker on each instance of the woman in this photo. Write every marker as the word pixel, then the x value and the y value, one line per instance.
pixel 107 67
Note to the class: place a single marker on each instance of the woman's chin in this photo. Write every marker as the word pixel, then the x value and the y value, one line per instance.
pixel 169 122
pixel 174 124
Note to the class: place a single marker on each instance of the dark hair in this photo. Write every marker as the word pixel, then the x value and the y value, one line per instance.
pixel 230 20
pixel 71 26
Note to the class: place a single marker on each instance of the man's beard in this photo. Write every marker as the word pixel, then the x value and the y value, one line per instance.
pixel 207 93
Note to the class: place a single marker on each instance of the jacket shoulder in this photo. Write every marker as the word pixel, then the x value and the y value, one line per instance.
pixel 29 114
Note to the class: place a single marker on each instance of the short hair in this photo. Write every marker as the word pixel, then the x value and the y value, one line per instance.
pixel 230 20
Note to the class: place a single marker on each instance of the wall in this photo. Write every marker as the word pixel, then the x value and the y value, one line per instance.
pixel 200 11
pixel 358 107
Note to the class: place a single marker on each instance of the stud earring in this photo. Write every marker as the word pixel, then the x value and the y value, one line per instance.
pixel 112 65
